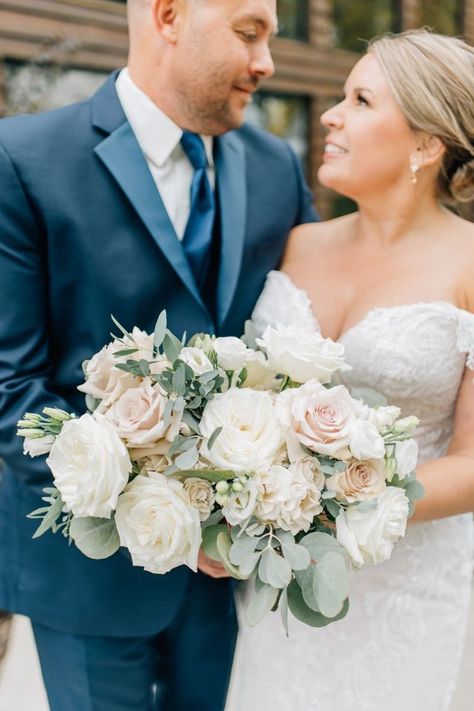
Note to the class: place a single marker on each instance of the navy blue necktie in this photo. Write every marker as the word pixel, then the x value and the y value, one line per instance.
pixel 198 234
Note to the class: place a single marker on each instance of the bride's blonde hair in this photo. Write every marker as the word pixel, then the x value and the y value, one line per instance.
pixel 432 78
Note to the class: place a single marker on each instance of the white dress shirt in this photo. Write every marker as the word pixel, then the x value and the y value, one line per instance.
pixel 159 138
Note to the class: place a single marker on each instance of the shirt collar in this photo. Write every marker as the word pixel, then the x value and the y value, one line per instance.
pixel 157 134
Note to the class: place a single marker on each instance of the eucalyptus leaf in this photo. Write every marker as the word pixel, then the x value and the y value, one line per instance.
pixel 188 459
pixel 247 567
pixel 414 490
pixel 318 544
pixel 179 380
pixel 304 613
pixel 95 537
pixel 297 556
pixel 284 611
pixel 331 584
pixel 170 347
pixel 207 377
pixel 223 545
pixel 332 507
pixel 261 604
pixel 160 330
pixel 273 569
pixel 242 548
pixel 144 367
pixel 212 475
pixel 213 519
pixel 214 436
pixel 191 422
pixel 121 328
pixel 49 520
pixel 209 540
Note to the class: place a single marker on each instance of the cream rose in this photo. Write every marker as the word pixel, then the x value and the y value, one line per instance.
pixel 201 496
pixel 138 416
pixel 406 456
pixel 250 439
pixel 288 497
pixel 322 419
pixel 360 481
pixel 104 381
pixel 301 355
pixel 157 523
pixel 369 536
pixel 90 466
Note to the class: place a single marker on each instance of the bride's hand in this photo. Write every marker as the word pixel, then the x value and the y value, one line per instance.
pixel 211 567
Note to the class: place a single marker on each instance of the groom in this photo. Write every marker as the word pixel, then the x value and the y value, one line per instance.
pixel 144 198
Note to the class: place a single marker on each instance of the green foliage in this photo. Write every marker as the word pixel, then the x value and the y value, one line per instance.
pixel 304 613
pixel 95 537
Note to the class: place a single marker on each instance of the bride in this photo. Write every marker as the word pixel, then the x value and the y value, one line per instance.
pixel 394 283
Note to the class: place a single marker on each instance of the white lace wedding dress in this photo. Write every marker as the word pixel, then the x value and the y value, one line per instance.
pixel 400 646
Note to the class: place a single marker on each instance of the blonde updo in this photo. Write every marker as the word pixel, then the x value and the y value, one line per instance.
pixel 432 78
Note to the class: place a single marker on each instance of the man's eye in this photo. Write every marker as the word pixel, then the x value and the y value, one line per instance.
pixel 248 36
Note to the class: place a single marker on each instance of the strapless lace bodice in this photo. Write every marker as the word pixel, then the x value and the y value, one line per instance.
pixel 400 645
pixel 413 354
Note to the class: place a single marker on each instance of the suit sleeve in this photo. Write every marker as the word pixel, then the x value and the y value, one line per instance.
pixel 25 362
pixel 306 208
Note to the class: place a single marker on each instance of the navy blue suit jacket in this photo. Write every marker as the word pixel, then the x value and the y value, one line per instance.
pixel 83 235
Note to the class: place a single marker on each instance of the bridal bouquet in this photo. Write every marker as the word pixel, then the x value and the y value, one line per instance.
pixel 246 447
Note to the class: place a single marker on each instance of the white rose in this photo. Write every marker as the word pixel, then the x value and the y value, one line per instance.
pixel 322 419
pixel 302 355
pixel 366 441
pixel 196 359
pixel 90 466
pixel 232 353
pixel 369 536
pixel 157 523
pixel 240 505
pixel 406 455
pixel 288 497
pixel 250 439
pixel 138 416
pixel 201 496
pixel 36 446
pixel 360 481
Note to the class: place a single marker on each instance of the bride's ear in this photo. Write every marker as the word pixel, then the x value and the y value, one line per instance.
pixel 430 150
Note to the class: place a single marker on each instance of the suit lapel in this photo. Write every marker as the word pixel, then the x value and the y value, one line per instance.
pixel 232 192
pixel 122 155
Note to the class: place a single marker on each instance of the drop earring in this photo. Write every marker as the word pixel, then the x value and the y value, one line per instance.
pixel 414 168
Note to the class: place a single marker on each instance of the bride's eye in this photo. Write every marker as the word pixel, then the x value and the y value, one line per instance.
pixel 361 100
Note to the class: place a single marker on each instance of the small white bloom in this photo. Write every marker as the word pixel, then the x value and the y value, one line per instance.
pixel 201 496
pixel 240 505
pixel 406 455
pixel 369 536
pixel 36 446
pixel 196 359
pixel 250 439
pixel 407 425
pixel 90 466
pixel 157 523
pixel 302 355
pixel 232 353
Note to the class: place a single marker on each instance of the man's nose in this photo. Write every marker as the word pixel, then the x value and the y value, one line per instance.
pixel 262 64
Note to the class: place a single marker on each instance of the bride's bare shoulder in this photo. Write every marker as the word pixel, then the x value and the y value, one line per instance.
pixel 310 238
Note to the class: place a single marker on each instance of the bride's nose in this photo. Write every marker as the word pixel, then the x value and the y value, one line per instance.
pixel 332 118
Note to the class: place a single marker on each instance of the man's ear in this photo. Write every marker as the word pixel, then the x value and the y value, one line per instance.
pixel 166 15
pixel 430 150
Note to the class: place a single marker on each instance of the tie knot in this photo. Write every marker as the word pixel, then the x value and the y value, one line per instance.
pixel 193 146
